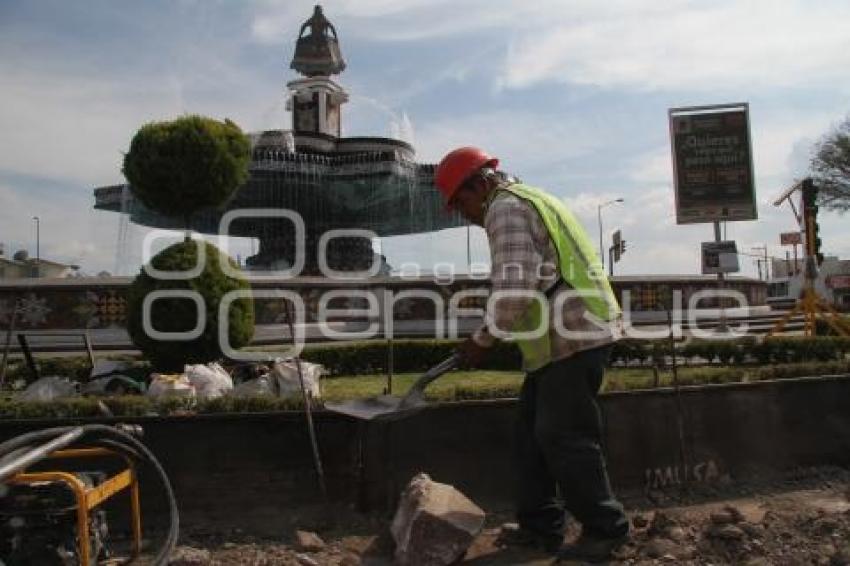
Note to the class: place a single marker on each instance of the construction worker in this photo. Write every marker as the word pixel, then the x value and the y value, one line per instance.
pixel 547 283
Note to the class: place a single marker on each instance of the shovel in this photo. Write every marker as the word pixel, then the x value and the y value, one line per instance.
pixel 391 407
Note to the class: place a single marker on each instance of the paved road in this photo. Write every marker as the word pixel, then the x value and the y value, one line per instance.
pixel 117 339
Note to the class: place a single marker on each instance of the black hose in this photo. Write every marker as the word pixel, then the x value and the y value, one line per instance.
pixel 117 440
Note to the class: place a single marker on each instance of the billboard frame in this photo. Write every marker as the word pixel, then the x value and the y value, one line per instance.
pixel 704 110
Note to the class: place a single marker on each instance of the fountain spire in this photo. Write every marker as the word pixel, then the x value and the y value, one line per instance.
pixel 315 100
pixel 317 53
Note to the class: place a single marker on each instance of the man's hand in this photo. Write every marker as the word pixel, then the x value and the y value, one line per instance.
pixel 472 354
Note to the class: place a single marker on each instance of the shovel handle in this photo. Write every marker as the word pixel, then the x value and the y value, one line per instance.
pixel 448 364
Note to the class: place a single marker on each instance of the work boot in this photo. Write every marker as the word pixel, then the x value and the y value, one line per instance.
pixel 512 534
pixel 590 548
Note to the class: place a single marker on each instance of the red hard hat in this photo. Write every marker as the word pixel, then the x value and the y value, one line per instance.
pixel 458 165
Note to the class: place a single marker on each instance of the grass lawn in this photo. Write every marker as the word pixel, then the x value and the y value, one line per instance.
pixel 484 384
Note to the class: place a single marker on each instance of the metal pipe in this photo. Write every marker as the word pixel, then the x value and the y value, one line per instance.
pixel 308 412
pixel 21 463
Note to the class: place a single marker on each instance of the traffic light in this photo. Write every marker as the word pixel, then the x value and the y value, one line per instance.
pixel 617 241
pixel 810 215
pixel 619 249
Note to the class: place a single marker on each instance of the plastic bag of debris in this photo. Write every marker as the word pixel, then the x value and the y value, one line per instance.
pixel 113 384
pixel 285 374
pixel 282 381
pixel 170 385
pixel 49 388
pixel 259 387
pixel 210 381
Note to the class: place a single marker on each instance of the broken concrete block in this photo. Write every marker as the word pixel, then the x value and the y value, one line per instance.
pixel 434 524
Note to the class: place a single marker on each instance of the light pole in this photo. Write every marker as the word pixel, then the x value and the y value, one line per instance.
pixel 37 246
pixel 599 218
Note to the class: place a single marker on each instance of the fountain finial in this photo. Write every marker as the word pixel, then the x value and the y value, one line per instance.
pixel 317 53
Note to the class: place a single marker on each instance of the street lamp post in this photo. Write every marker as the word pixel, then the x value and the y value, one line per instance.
pixel 37 246
pixel 599 219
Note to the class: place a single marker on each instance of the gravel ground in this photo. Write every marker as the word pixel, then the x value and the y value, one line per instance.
pixel 799 519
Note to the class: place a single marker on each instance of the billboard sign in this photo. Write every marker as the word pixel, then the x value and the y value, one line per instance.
pixel 720 257
pixel 838 282
pixel 790 238
pixel 712 163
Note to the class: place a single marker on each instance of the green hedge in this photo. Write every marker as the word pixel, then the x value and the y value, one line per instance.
pixel 411 356
pixel 777 350
pixel 136 406
pixel 419 355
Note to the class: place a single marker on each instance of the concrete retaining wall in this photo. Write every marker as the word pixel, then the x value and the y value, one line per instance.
pixel 246 470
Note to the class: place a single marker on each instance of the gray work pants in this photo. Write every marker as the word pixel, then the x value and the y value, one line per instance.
pixel 559 455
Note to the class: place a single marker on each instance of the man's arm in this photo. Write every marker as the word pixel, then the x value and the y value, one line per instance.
pixel 511 226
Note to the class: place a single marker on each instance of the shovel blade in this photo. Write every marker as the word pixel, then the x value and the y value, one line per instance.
pixel 382 407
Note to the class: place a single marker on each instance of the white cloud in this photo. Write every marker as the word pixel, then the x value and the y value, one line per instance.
pixel 517 137
pixel 646 45
pixel 777 138
pixel 654 166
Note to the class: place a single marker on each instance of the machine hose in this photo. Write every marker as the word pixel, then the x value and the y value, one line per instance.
pixel 22 446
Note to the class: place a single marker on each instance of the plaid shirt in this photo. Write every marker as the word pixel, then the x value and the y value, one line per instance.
pixel 523 257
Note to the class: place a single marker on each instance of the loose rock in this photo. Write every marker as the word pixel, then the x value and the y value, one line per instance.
pixel 639 521
pixel 676 534
pixel 661 521
pixel 659 547
pixel 434 525
pixel 728 532
pixel 753 531
pixel 724 517
pixel 307 541
pixel 750 512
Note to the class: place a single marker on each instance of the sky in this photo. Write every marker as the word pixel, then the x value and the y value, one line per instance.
pixel 571 95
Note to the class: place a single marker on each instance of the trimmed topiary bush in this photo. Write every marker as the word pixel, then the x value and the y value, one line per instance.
pixel 180 315
pixel 181 166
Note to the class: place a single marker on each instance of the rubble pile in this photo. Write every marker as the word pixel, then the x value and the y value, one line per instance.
pixel 800 525
pixel 787 529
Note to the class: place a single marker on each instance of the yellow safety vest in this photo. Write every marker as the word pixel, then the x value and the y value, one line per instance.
pixel 579 267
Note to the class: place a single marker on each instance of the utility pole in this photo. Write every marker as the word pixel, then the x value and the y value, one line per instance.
pixel 599 208
pixel 763 250
pixel 37 246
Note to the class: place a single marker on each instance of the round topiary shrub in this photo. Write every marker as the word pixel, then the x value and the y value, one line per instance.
pixel 181 166
pixel 180 314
